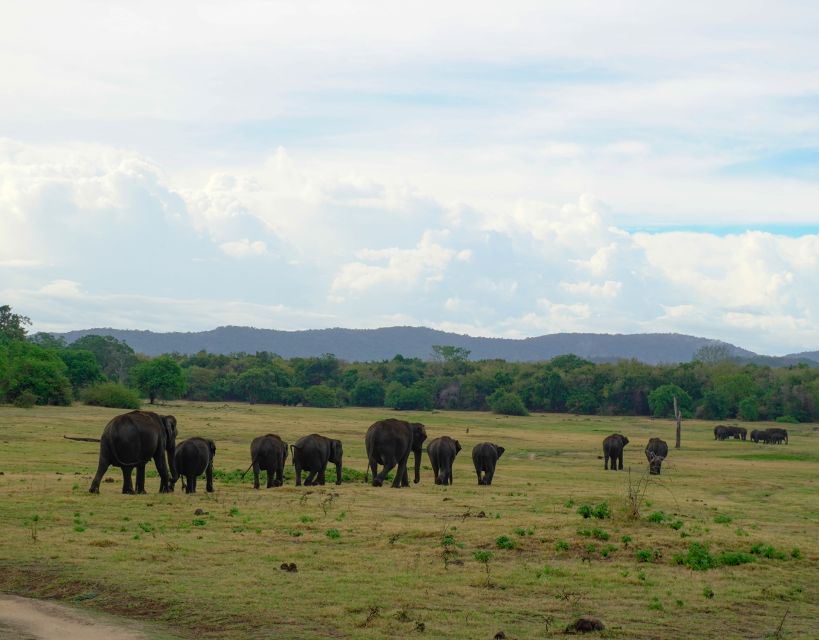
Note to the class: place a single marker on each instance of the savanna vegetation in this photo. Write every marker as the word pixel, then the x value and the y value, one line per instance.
pixel 41 369
pixel 723 544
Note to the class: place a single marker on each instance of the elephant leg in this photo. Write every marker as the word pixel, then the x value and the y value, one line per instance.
pixel 621 461
pixel 255 475
pixel 140 479
pixel 271 477
pixel 435 473
pixel 102 467
pixel 478 471
pixel 606 461
pixel 311 478
pixel 374 468
pixel 209 478
pixel 321 474
pixel 127 487
pixel 297 467
pixel 191 484
pixel 280 476
pixel 389 465
pixel 490 473
pixel 401 477
pixel 164 473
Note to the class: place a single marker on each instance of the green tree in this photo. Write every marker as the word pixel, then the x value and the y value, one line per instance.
pixel 368 393
pixel 748 409
pixel 34 371
pixel 47 341
pixel 258 384
pixel 160 377
pixel 661 401
pixel 114 356
pixel 321 396
pixel 507 403
pixel 82 367
pixel 12 325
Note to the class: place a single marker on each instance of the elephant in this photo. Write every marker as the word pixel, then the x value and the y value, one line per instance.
pixel 389 443
pixel 613 450
pixel 485 457
pixel 742 431
pixel 312 453
pixel 778 435
pixel 656 452
pixel 194 457
pixel 268 452
pixel 755 435
pixel 442 452
pixel 130 440
pixel 721 432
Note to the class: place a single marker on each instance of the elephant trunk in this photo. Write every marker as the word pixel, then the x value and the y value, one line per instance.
pixel 338 471
pixel 417 466
pixel 174 475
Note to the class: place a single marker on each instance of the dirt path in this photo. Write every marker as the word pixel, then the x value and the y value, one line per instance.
pixel 27 619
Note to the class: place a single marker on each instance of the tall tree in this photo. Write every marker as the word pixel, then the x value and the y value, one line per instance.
pixel 159 378
pixel 12 325
pixel 114 356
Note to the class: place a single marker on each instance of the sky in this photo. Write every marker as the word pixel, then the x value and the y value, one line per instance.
pixel 498 169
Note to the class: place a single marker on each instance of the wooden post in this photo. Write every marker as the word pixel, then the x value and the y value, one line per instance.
pixel 678 418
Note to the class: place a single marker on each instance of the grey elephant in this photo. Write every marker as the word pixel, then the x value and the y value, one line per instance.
pixel 656 452
pixel 194 457
pixel 485 458
pixel 131 440
pixel 312 453
pixel 268 452
pixel 613 450
pixel 442 452
pixel 721 432
pixel 389 443
pixel 778 435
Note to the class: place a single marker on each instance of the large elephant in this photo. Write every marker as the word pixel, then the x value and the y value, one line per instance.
pixel 721 432
pixel 485 458
pixel 778 435
pixel 268 452
pixel 194 457
pixel 613 450
pixel 656 452
pixel 130 440
pixel 442 452
pixel 312 453
pixel 389 443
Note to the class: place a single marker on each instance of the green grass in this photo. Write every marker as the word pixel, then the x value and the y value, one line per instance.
pixel 217 574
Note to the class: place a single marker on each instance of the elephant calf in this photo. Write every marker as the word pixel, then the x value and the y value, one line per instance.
pixel 613 450
pixel 656 452
pixel 194 457
pixel 442 452
pixel 312 453
pixel 485 457
pixel 268 452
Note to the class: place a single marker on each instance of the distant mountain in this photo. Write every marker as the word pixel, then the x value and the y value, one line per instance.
pixel 813 356
pixel 382 344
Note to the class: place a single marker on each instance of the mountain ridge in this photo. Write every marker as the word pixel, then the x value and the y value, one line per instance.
pixel 386 342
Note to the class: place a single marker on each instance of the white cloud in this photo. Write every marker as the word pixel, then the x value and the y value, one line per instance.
pixel 608 289
pixel 243 248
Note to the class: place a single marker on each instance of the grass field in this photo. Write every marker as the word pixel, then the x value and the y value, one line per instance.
pixel 371 561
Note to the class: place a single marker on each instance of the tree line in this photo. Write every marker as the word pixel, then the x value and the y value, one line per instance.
pixel 43 369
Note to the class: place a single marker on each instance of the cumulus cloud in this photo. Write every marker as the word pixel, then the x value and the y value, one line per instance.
pixel 243 248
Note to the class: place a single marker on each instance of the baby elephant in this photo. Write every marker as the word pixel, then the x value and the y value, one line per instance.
pixel 613 450
pixel 656 452
pixel 485 456
pixel 442 452
pixel 268 452
pixel 192 458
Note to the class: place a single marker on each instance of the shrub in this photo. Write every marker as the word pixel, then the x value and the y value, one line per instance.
pixel 506 403
pixel 321 396
pixel 600 534
pixel 625 540
pixel 505 542
pixel 722 518
pixel 657 516
pixel 697 558
pixel 734 558
pixel 26 399
pixel 601 511
pixel 647 555
pixel 333 534
pixel 788 419
pixel 291 396
pixel 111 394
pixel 368 393
pixel 796 553
pixel 561 545
pixel 768 551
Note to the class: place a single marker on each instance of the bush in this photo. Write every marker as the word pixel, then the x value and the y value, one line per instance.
pixel 787 419
pixel 768 551
pixel 291 396
pixel 506 403
pixel 368 393
pixel 748 409
pixel 111 394
pixel 321 396
pixel 505 542
pixel 657 516
pixel 661 401
pixel 26 399
pixel 647 555
pixel 722 518
pixel 697 558
pixel 601 511
pixel 734 558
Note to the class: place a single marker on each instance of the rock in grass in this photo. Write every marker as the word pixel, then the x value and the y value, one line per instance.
pixel 586 624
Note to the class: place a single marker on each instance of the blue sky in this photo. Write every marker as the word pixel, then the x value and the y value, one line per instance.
pixel 496 169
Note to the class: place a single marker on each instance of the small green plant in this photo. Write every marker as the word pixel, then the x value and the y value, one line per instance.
pixel 734 558
pixel 524 532
pixel 655 604
pixel 333 534
pixel 796 553
pixel 625 540
pixel 656 516
pixel 505 542
pixel 768 551
pixel 36 518
pixel 295 533
pixel 679 603
pixel 647 555
pixel 341 516
pixel 600 511
pixel 641 576
pixel 569 503
pixel 448 548
pixel 234 511
pixel 676 525
pixel 306 519
pixel 561 545
pixel 697 558
pixel 147 527
pixel 722 518
pixel 199 522
pixel 483 556
pixel 600 534
pixel 708 592
pixel 608 550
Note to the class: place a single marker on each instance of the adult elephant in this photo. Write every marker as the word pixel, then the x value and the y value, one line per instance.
pixel 656 452
pixel 312 453
pixel 742 432
pixel 485 458
pixel 613 450
pixel 268 452
pixel 389 443
pixel 721 432
pixel 194 457
pixel 442 452
pixel 131 440
pixel 778 435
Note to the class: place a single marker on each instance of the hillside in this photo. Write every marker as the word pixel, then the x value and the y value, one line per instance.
pixel 385 343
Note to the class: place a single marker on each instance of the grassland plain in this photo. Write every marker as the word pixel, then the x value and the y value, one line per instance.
pixel 379 562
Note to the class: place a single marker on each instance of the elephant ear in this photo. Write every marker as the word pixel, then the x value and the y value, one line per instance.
pixel 212 446
pixel 625 441
pixel 419 434
pixel 457 447
pixel 500 451
pixel 337 450
pixel 286 451
pixel 169 422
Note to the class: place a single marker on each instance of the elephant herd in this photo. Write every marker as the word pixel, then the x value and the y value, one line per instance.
pixel 131 440
pixel 773 435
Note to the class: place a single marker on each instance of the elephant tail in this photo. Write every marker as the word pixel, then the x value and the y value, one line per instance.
pixel 81 439
pixel 252 462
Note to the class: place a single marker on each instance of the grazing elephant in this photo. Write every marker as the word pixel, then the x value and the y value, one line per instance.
pixel 312 453
pixel 389 443
pixel 194 457
pixel 656 452
pixel 755 435
pixel 130 440
pixel 721 432
pixel 268 452
pixel 442 452
pixel 485 457
pixel 613 450
pixel 742 432
pixel 778 435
